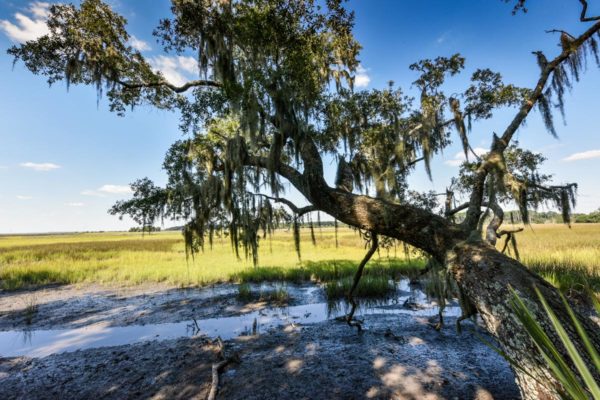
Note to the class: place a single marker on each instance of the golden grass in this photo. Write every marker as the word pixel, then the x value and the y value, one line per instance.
pixel 160 257
pixel 568 258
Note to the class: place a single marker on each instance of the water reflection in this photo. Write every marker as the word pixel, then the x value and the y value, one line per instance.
pixel 41 343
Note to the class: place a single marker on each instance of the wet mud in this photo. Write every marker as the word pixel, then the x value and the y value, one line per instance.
pixel 297 351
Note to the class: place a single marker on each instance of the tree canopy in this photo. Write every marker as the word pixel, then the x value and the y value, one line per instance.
pixel 275 94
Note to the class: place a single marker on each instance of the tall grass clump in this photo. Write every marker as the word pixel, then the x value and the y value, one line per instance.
pixel 369 286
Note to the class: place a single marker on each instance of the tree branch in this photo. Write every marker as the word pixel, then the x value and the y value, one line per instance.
pixel 176 89
pixel 299 211
pixel 583 18
pixel 500 144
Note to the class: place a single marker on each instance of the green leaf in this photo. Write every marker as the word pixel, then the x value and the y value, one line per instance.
pixel 570 346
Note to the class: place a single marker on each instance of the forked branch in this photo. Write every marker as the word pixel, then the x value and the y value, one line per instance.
pixel 583 18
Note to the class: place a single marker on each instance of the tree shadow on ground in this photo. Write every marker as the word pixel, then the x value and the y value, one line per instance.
pixel 399 357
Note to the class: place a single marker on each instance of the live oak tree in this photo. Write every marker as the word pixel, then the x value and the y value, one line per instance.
pixel 275 96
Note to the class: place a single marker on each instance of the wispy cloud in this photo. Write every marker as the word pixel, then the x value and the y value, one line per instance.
pixel 40 166
pixel 21 197
pixel 362 78
pixel 74 204
pixel 139 44
pixel 26 27
pixel 442 38
pixel 105 190
pixel 175 69
pixel 460 158
pixel 584 155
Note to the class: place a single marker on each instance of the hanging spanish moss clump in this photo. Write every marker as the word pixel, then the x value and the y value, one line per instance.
pixel 312 231
pixel 459 123
pixel 564 74
pixel 296 230
pixel 544 108
pixel 335 228
pixel 567 199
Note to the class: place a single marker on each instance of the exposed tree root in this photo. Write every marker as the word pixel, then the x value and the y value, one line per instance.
pixel 218 367
pixel 462 318
pixel 350 318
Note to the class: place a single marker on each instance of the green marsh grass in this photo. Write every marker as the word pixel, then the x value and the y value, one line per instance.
pixel 369 286
pixel 568 258
pixel 129 258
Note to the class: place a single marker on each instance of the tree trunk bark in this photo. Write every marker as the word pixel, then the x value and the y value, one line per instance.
pixel 485 276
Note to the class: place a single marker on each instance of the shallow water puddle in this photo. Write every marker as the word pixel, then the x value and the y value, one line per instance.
pixel 41 343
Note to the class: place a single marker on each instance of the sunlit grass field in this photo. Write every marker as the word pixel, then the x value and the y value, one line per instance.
pixel 130 258
pixel 568 258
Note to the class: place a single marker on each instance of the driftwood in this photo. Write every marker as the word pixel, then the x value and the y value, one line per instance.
pixel 218 367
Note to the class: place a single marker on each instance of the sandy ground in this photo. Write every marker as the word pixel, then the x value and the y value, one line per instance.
pixel 398 357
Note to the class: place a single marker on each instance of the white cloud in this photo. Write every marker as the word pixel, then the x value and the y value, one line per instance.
pixel 585 155
pixel 175 69
pixel 361 79
pixel 40 166
pixel 27 27
pixel 104 190
pixel 139 44
pixel 21 197
pixel 442 38
pixel 460 158
pixel 115 189
pixel 74 204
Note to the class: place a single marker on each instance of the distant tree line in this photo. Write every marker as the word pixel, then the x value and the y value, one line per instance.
pixel 545 217
pixel 146 229
pixel 593 217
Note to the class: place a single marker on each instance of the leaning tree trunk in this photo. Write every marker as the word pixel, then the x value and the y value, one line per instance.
pixel 485 276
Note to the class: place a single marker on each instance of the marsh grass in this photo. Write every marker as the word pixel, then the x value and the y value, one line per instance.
pixel 369 286
pixel 278 294
pixel 31 308
pixel 568 258
pixel 244 292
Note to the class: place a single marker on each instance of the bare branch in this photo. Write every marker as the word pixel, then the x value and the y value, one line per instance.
pixel 458 209
pixel 509 231
pixel 299 211
pixel 583 18
pixel 359 271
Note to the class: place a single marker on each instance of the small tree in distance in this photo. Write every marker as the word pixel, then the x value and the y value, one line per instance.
pixel 262 114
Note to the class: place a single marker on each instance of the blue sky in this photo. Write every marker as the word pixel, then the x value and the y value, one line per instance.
pixel 64 160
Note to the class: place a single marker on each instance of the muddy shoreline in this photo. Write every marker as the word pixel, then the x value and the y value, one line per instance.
pixel 398 356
